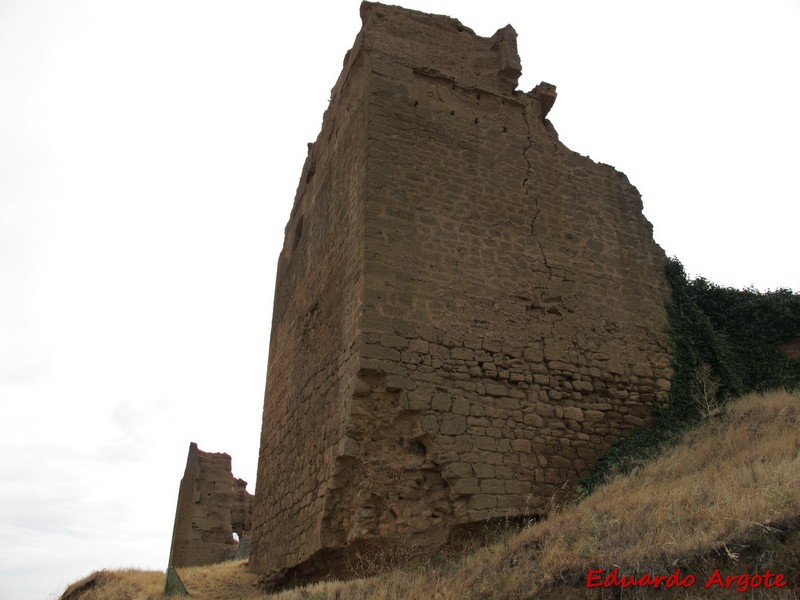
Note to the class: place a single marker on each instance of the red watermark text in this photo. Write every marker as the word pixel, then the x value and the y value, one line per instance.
pixel 741 583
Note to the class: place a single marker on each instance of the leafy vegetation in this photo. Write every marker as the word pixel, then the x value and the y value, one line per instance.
pixel 737 332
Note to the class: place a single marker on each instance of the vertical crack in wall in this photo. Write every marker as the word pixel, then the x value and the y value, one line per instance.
pixel 537 209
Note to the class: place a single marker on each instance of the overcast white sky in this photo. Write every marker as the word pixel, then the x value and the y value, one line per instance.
pixel 149 155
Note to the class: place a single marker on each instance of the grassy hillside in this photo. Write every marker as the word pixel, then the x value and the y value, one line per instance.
pixel 727 497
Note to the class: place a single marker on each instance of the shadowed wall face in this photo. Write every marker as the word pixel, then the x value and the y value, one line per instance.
pixel 212 506
pixel 467 315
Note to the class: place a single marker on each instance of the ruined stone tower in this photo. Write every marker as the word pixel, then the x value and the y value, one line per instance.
pixel 212 506
pixel 467 313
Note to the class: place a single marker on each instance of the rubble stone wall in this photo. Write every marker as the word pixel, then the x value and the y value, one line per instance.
pixel 496 321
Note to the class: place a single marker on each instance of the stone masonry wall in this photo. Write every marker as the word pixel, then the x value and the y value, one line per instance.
pixel 313 357
pixel 212 506
pixel 504 322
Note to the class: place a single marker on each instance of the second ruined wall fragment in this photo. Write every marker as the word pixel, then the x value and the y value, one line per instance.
pixel 212 506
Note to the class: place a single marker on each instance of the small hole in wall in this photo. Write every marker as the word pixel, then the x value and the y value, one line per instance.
pixel 505 129
pixel 476 120
pixel 416 103
pixel 452 112
pixel 298 232
pixel 418 447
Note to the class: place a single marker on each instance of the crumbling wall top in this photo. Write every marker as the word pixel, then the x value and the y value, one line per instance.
pixel 442 44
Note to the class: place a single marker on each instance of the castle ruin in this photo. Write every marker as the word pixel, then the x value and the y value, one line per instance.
pixel 467 313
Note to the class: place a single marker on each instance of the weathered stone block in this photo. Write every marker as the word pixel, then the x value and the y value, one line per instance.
pixel 466 486
pixel 453 424
pixel 418 346
pixel 396 382
pixel 461 406
pixel 393 341
pixel 418 400
pixel 533 420
pixel 458 470
pixel 494 389
pixel 380 352
pixel 482 501
pixel 521 445
pixel 594 416
pixel 484 470
pixel 493 486
pixel 461 354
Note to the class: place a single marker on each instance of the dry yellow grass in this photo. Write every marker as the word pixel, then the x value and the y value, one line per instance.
pixel 224 581
pixel 231 581
pixel 740 471
pixel 723 492
pixel 733 479
pixel 130 584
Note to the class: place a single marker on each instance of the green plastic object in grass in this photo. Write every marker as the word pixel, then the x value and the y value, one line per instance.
pixel 174 585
